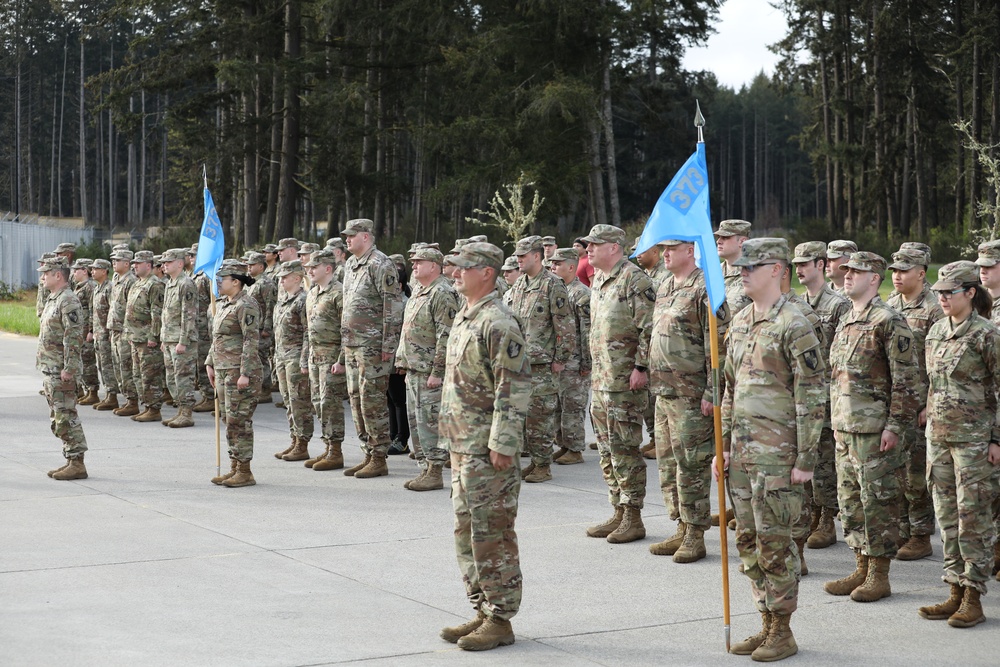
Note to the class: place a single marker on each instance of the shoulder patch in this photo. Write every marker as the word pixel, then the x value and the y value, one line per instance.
pixel 189 296
pixel 514 349
pixel 250 318
pixel 390 279
pixel 73 316
pixel 811 359
pixel 650 295
pixel 902 343
pixel 451 313
pixel 560 302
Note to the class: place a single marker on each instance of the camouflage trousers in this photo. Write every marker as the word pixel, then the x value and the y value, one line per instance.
pixel 328 392
pixel 868 494
pixel 542 421
pixel 961 481
pixel 684 451
pixel 617 419
pixel 179 368
pixel 268 361
pixel 201 382
pixel 121 351
pixel 485 503
pixel 767 505
pixel 236 408
pixel 63 417
pixel 105 363
pixel 296 395
pixel 821 492
pixel 916 508
pixel 574 392
pixel 367 382
pixel 88 355
pixel 649 418
pixel 422 406
pixel 148 372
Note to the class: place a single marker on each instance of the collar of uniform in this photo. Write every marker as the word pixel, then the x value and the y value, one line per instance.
pixel 728 271
pixel 855 316
pixel 424 289
pixel 610 275
pixel 961 329
pixel 771 314
pixel 288 296
pixel 321 289
pixel 470 312
pixel 536 282
pixel 363 259
pixel 54 295
pixel 690 280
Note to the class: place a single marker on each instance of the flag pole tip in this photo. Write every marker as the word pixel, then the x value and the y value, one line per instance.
pixel 699 120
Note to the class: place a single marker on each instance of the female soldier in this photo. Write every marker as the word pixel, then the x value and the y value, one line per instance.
pixel 289 336
pixel 963 429
pixel 234 369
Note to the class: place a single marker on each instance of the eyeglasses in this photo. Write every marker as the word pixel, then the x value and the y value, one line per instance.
pixel 947 294
pixel 750 269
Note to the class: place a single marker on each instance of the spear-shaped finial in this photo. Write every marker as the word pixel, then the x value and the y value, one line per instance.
pixel 204 174
pixel 699 122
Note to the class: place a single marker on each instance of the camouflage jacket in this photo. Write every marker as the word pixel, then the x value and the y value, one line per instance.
pixel 830 306
pixel 235 335
pixel 338 273
pixel 487 382
pixel 621 320
pixel 144 310
pixel 85 293
pixel 121 285
pixel 324 311
pixel 204 287
pixel 180 311
pixel 99 308
pixel 875 383
pixel 265 291
pixel 658 275
pixel 40 297
pixel 373 302
pixel 60 334
pixel 995 312
pixel 542 308
pixel 272 272
pixel 963 368
pixel 680 353
pixel 773 408
pixel 920 314
pixel 427 321
pixel 290 328
pixel 501 286
pixel 579 306
pixel 736 298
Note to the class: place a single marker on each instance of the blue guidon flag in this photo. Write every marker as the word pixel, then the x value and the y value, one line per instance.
pixel 211 243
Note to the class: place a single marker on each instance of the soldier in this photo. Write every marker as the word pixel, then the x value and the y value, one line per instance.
pixel 84 290
pixel 43 291
pixel 290 326
pixel 143 313
pixel 680 370
pixel 121 348
pixel 158 268
pixel 838 253
pixel 729 241
pixel 914 299
pixel 339 250
pixel 271 257
pixel 67 251
pixel 772 415
pixel 233 367
pixel 58 359
pixel 963 430
pixel 511 272
pixel 265 291
pixel 549 246
pixel 372 319
pixel 621 310
pixel 305 252
pixel 873 399
pixel 204 288
pixel 810 266
pixel 989 273
pixel 427 321
pixel 179 336
pixel 100 307
pixel 483 403
pixel 651 261
pixel 322 355
pixel 542 305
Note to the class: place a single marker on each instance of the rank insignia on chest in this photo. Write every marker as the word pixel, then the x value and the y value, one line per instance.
pixel 811 359
pixel 513 349
pixel 902 343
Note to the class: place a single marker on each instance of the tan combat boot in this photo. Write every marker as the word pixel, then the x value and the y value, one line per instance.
pixel 166 422
pixel 243 476
pixel 110 402
pixel 290 447
pixel 779 644
pixel 184 419
pixel 750 644
pixel 630 529
pixel 609 526
pixel 334 459
pixel 944 610
pixel 350 472
pixel 430 481
pixel 825 533
pixel 454 633
pixel 570 458
pixel 376 468
pixel 800 545
pixel 539 474
pixel 423 473
pixel 527 470
pixel 853 580
pixel 492 633
pixel 648 451
pixel 265 396
pixel 62 467
pixel 562 451
pixel 669 546
pixel 91 398
pixel 917 547
pixel 150 415
pixel 226 475
pixel 76 470
pixel 876 585
pixel 168 398
pixel 692 547
pixel 316 459
pixel 730 515
pixel 967 616
pixel 130 409
pixel 206 405
pixel 816 512
pixel 300 452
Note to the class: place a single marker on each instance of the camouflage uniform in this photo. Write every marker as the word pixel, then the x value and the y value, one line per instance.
pixel 658 275
pixel 142 325
pixel 321 350
pixel 989 255
pixel 59 339
pixel 85 293
pixel 574 381
pixel 204 324
pixel 265 291
pixel 836 250
pixel 180 325
pixel 121 348
pixel 427 321
pixel 290 364
pixel 99 308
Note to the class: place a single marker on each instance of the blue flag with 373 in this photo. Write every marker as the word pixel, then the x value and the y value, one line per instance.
pixel 682 212
pixel 211 243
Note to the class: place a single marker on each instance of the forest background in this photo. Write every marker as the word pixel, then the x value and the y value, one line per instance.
pixel 307 113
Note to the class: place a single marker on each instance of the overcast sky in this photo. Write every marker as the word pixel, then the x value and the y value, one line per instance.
pixel 738 49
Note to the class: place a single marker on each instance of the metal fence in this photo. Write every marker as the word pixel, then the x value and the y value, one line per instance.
pixel 22 242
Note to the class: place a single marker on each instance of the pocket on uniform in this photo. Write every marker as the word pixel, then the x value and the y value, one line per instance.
pixel 783 501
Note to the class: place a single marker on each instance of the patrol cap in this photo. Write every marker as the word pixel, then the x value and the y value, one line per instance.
pixel 458 245
pixel 527 244
pixel 733 228
pixel 955 275
pixel 672 242
pixel 193 250
pixel 989 253
pixel 336 242
pixel 236 269
pixel 321 257
pixel 143 256
pixel 291 267
pixel 510 264
pixel 255 258
pixel 270 248
pixel 396 258
pixel 416 245
pixel 764 250
pixel 549 240
pixel 427 254
pixel 125 255
pixel 837 249
pixel 357 226
pixel 905 259
pixel 477 254
pixel 101 264
pixel 157 260
pixel 565 255
pixel 173 254
pixel 479 238
pixel 123 246
pixel 66 247
pixel 288 243
pixel 45 256
pixel 808 251
pixel 52 263
pixel 82 263
pixel 606 234
pixel 308 248
pixel 865 261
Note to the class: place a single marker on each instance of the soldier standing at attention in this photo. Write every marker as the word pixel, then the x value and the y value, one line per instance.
pixel 265 290
pixel 270 252
pixel 772 416
pixel 121 349
pixel 204 289
pixel 511 272
pixel 233 367
pixel 963 430
pixel 729 241
pixel 58 358
pixel 372 318
pixel 651 262
pixel 541 304
pixel 84 290
pixel 549 246
pixel 621 310
pixel 293 376
pixel 102 340
pixel 484 399
pixel 914 299
pixel 838 253
pixel 989 273
pixel 142 326
pixel 339 250
pixel 322 355
pixel 179 336
pixel 873 400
